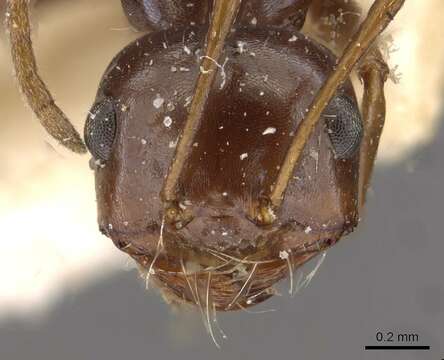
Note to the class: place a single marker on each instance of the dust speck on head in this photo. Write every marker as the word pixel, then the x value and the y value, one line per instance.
pixel 158 101
pixel 167 121
pixel 283 254
pixel 269 131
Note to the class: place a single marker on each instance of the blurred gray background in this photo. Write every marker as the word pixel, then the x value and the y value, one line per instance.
pixel 387 276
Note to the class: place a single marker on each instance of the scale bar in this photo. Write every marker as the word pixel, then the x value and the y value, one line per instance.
pixel 396 347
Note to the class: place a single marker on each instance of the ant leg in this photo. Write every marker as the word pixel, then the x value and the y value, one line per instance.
pixel 373 72
pixel 379 16
pixel 39 98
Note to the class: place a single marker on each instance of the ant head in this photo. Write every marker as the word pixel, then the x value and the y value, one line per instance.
pixel 222 225
pixel 264 86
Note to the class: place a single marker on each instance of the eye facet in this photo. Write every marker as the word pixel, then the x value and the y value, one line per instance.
pixel 345 127
pixel 100 130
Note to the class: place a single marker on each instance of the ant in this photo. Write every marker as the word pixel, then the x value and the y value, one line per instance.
pixel 228 146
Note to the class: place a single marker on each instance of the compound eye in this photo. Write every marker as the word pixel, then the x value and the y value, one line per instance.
pixel 100 130
pixel 344 127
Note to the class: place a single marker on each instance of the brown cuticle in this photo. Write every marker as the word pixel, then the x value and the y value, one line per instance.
pixel 234 144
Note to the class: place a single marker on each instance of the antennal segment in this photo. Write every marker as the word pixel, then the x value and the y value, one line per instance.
pixel 37 94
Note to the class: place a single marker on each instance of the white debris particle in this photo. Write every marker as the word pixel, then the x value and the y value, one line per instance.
pixel 283 255
pixel 143 141
pixel 187 50
pixel 241 46
pixel 221 67
pixel 224 233
pixel 225 194
pixel 308 230
pixel 158 101
pixel 173 143
pixel 269 130
pixel 184 69
pixel 125 223
pixel 261 93
pixel 167 121
pixel 188 101
pixel 293 38
pixel 243 156
pixel 170 106
pixel 110 226
pixel 254 21
pixel 203 71
pixel 173 69
pixel 315 155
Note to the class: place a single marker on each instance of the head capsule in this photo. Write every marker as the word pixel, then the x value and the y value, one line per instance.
pixel 264 86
